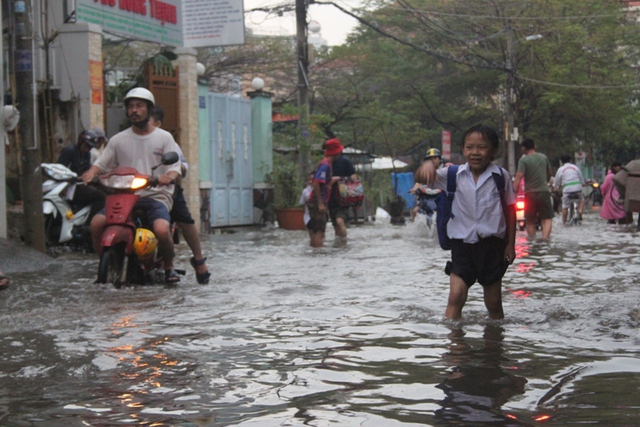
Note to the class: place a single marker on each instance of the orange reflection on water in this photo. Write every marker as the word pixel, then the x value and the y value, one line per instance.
pixel 524 267
pixel 146 364
pixel 519 293
pixel 522 247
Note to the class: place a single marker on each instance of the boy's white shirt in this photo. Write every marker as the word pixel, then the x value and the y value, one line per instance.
pixel 303 201
pixel 477 210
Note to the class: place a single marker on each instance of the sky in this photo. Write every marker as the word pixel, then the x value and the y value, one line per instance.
pixel 334 24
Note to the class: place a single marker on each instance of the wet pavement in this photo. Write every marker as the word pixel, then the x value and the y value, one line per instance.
pixel 348 335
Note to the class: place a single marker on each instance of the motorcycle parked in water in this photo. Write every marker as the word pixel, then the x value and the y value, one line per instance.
pixel 427 202
pixel 128 253
pixel 65 223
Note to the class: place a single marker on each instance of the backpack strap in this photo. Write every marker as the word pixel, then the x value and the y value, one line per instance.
pixel 451 182
pixel 498 178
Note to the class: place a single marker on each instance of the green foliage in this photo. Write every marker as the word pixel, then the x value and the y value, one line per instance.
pixel 287 185
pixel 444 65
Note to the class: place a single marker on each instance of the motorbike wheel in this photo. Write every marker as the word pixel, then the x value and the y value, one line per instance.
pixel 112 264
pixel 52 228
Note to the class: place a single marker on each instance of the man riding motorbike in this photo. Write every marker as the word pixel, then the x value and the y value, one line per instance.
pixel 141 146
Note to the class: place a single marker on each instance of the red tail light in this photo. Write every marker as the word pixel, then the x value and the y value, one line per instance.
pixel 520 205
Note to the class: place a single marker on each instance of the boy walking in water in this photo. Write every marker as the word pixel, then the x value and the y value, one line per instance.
pixel 482 235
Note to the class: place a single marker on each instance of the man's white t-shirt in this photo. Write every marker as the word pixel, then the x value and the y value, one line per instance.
pixel 570 178
pixel 142 153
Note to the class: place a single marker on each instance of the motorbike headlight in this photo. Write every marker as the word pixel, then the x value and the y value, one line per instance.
pixel 123 182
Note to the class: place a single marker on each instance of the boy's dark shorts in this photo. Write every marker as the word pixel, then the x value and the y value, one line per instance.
pixel 317 220
pixel 338 212
pixel 482 262
pixel 538 204
pixel 180 211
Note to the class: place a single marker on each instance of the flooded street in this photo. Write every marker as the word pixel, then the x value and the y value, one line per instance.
pixel 349 335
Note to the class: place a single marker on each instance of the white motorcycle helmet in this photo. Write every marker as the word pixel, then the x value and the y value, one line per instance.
pixel 141 93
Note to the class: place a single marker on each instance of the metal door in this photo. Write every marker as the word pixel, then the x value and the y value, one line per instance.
pixel 231 161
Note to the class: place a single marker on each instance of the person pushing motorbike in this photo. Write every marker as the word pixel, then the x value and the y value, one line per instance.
pixel 77 157
pixel 141 146
pixel 433 155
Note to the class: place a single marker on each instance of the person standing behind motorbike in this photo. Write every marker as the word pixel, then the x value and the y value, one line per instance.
pixel 141 146
pixel 612 211
pixel 77 158
pixel 570 179
pixel 433 155
pixel 342 169
pixel 180 212
pixel 102 142
pixel 536 171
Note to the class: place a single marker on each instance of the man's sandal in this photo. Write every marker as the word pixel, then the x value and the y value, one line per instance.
pixel 171 276
pixel 203 278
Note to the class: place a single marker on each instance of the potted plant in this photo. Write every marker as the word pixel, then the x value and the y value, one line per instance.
pixel 287 188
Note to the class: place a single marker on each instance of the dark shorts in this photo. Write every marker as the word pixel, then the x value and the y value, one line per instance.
pixel 317 220
pixel 482 262
pixel 336 212
pixel 180 211
pixel 151 211
pixel 538 205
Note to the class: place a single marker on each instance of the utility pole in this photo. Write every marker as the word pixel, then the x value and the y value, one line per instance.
pixel 509 125
pixel 3 189
pixel 30 155
pixel 303 86
pixel 511 104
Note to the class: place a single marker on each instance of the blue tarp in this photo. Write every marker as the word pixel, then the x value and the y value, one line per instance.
pixel 401 184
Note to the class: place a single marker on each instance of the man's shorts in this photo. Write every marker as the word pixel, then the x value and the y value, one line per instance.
pixel 152 210
pixel 180 211
pixel 338 212
pixel 538 204
pixel 482 262
pixel 568 198
pixel 317 220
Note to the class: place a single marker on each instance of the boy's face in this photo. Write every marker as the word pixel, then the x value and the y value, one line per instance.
pixel 478 152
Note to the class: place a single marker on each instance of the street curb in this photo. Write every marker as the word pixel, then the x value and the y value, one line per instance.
pixel 16 257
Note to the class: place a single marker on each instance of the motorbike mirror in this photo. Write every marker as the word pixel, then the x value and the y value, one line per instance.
pixel 170 158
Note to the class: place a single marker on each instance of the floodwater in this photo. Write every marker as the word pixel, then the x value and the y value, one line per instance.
pixel 348 335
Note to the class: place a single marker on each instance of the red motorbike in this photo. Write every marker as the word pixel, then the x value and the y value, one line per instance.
pixel 128 253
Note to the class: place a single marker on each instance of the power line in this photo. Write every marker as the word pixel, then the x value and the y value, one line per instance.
pixel 574 86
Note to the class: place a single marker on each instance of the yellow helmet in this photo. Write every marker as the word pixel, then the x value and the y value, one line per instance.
pixel 145 242
pixel 432 152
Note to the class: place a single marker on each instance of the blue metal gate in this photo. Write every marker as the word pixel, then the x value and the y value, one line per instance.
pixel 231 161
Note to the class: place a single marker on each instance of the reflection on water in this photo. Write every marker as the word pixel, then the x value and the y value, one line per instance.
pixel 349 335
pixel 478 384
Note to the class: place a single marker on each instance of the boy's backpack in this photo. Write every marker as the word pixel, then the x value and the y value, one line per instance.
pixel 445 200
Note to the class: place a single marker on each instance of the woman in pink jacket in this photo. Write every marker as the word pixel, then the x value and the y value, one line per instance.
pixel 612 211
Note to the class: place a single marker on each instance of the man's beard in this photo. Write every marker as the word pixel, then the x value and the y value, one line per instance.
pixel 140 124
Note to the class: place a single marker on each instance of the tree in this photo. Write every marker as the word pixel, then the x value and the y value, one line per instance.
pixel 444 64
